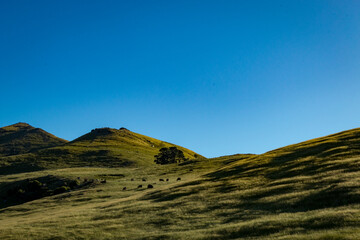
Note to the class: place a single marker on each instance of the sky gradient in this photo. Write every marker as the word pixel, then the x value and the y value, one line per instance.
pixel 217 77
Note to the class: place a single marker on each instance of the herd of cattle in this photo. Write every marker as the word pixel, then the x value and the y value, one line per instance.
pixel 150 185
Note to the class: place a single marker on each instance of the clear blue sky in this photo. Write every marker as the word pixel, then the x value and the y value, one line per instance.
pixel 218 77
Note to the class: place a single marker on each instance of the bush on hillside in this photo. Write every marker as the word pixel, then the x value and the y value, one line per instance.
pixel 61 189
pixel 73 184
pixel 34 186
pixel 169 155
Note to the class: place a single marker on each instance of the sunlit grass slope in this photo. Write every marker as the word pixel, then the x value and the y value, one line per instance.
pixel 100 147
pixel 22 138
pixel 306 158
pixel 309 190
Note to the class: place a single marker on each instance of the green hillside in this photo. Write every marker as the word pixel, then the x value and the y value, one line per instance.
pixel 101 147
pixel 309 190
pixel 22 138
pixel 306 158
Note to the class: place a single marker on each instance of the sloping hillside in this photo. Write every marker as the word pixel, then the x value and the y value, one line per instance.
pixel 22 138
pixel 309 190
pixel 305 158
pixel 100 147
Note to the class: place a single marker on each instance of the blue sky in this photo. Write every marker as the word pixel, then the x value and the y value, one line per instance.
pixel 218 77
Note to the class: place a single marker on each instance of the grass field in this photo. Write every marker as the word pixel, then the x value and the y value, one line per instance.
pixel 308 190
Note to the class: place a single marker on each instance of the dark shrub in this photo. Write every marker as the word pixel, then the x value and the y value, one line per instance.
pixel 169 155
pixel 34 186
pixel 61 189
pixel 73 184
pixel 20 191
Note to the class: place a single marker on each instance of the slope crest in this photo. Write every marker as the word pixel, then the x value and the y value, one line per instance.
pixel 332 152
pixel 23 138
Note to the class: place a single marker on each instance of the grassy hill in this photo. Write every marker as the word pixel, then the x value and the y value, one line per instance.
pixel 309 190
pixel 101 147
pixel 22 138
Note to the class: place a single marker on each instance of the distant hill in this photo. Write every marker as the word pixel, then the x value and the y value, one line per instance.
pixel 22 138
pixel 100 147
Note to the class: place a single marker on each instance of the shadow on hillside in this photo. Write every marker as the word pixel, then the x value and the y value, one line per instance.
pixel 163 196
pixel 301 159
pixel 249 208
pixel 303 152
pixel 18 192
pixel 243 170
pixel 266 228
pixel 330 197
pixel 279 168
pixel 175 192
pixel 19 168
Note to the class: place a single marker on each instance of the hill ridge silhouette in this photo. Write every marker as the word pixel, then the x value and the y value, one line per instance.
pixel 20 138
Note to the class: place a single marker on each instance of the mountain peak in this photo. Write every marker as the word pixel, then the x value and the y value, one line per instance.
pixel 97 133
pixel 102 131
pixel 22 138
pixel 18 126
pixel 22 124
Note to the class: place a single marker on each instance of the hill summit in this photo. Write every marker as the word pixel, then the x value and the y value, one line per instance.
pixel 22 138
pixel 105 132
pixel 120 146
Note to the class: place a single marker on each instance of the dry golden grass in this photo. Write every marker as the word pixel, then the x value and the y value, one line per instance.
pixel 306 191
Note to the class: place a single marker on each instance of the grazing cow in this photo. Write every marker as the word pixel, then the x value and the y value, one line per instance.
pixel 103 181
pixel 161 180
pixel 144 179
pixel 124 188
pixel 140 186
pixel 178 179
pixel 150 186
